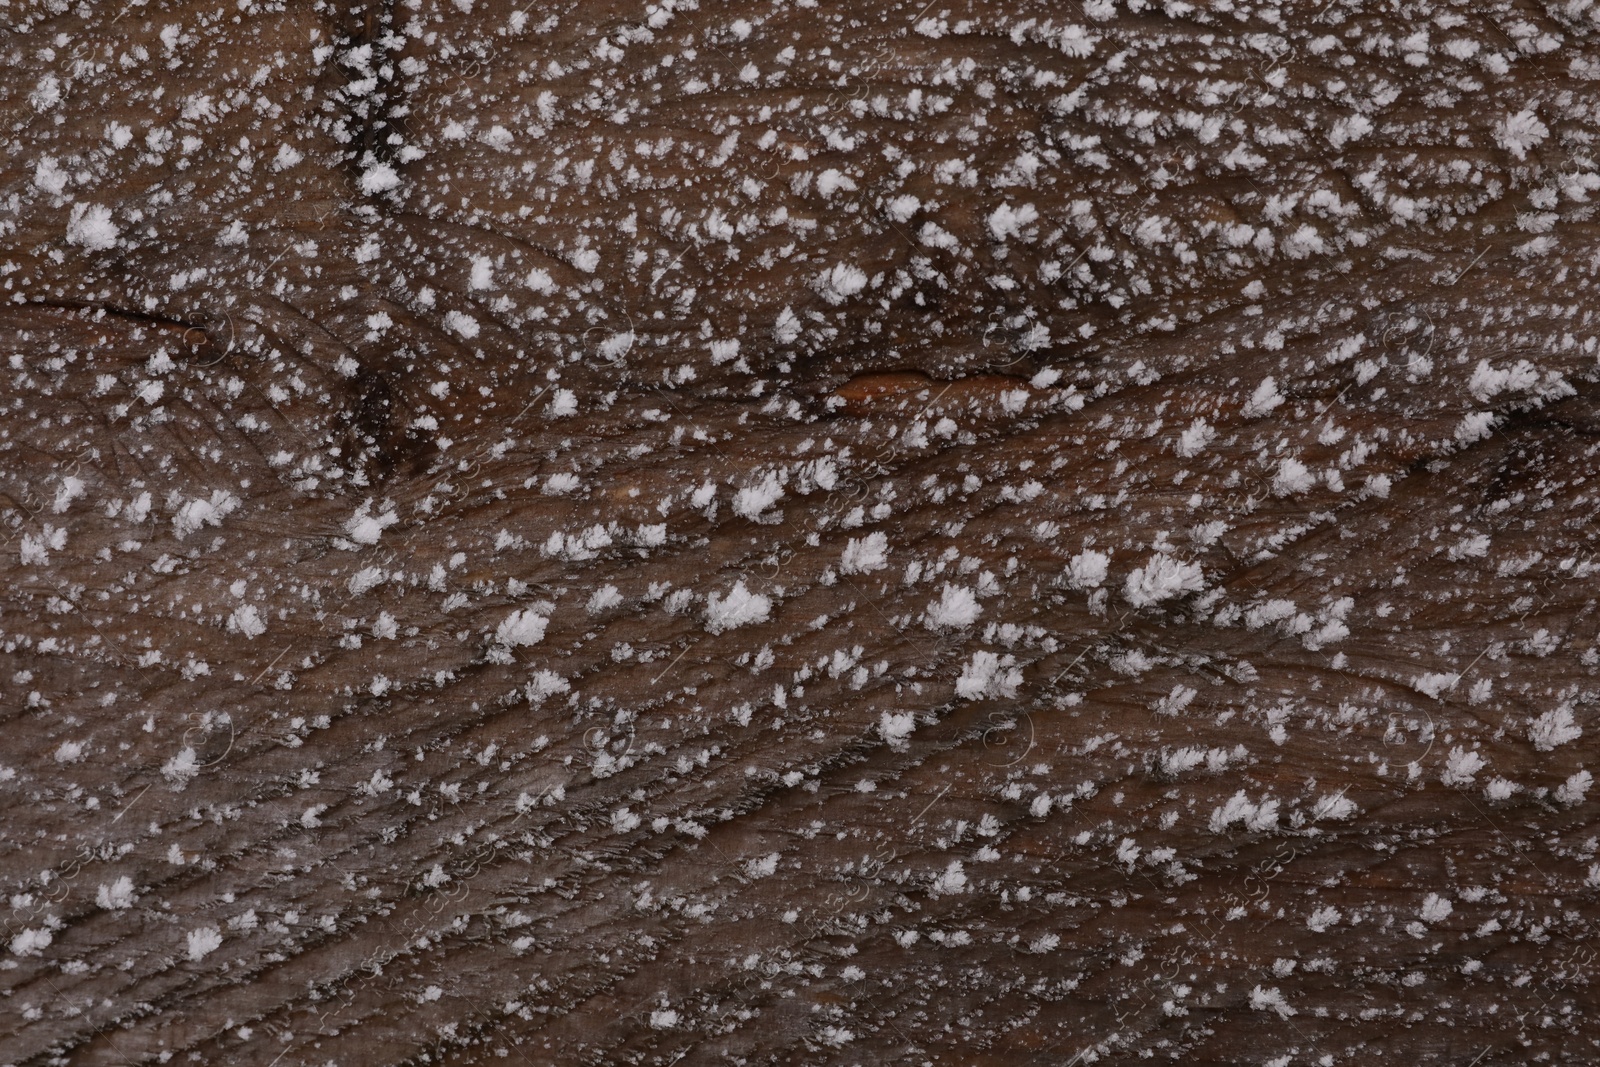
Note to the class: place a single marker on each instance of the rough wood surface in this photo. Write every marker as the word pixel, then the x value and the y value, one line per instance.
pixel 991 532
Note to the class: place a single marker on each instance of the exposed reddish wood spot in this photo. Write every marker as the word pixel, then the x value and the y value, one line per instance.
pixel 913 392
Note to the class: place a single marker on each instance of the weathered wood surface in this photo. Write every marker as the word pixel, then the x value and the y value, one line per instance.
pixel 569 535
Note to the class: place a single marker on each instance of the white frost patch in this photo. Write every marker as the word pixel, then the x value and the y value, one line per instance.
pixel 246 620
pixel 953 879
pixel 1292 477
pixel 840 282
pixel 560 484
pixel 604 599
pixel 563 404
pixel 833 181
pixel 204 941
pixel 1335 807
pixel 379 178
pixel 1489 382
pixel 1520 132
pixel 1264 400
pixel 1194 440
pixel 740 607
pixel 180 768
pixel 1238 809
pixel 896 726
pixel 616 346
pixel 1088 569
pixel 989 675
pixel 1461 766
pixel 762 866
pixel 525 626
pixel 956 608
pixel 482 276
pixel 116 896
pixel 901 208
pixel 836 1036
pixel 1554 728
pixel 365 529
pixel 1501 789
pixel 1162 578
pixel 70 490
pixel 31 942
pixel 664 1019
pixel 364 579
pixel 1006 222
pixel 197 513
pixel 1432 684
pixel 1270 1000
pixel 865 554
pixel 584 545
pixel 545 684
pixel 461 324
pixel 69 752
pixel 1573 791
pixel 1474 426
pixel 1323 918
pixel 1436 908
pixel 90 227
pixel 48 177
pixel 752 501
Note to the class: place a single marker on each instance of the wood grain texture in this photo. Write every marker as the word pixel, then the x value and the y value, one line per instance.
pixel 996 533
